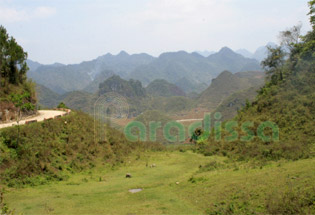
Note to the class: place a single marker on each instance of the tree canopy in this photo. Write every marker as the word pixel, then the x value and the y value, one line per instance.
pixel 13 65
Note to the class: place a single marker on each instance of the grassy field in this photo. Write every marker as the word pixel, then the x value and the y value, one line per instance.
pixel 213 185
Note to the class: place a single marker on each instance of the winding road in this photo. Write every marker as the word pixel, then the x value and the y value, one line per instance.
pixel 42 115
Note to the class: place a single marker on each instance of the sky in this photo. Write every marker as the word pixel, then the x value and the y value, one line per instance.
pixel 72 31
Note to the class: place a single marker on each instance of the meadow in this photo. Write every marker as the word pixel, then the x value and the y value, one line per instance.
pixel 181 183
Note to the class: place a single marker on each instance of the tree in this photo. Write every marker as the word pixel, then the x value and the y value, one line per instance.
pixel 22 103
pixel 62 105
pixel 312 12
pixel 13 65
pixel 291 37
pixel 274 62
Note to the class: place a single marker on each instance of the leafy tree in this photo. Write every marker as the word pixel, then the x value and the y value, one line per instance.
pixel 312 12
pixel 274 62
pixel 62 105
pixel 13 65
pixel 291 37
pixel 22 103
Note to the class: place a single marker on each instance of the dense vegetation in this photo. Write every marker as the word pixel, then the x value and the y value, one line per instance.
pixel 52 149
pixel 17 95
pixel 13 70
pixel 287 99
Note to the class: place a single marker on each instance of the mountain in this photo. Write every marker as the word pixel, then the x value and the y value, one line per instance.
pixel 65 78
pixel 61 79
pixel 226 84
pixel 79 100
pixel 46 97
pixel 174 66
pixel 235 102
pixel 129 89
pixel 244 53
pixel 205 53
pixel 190 86
pixel 227 59
pixel 99 78
pixel 261 53
pixel 161 87
pixel 33 65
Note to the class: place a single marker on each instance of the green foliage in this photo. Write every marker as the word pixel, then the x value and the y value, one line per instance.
pixel 62 105
pixel 22 101
pixel 287 99
pixel 13 67
pixel 274 62
pixel 13 85
pixel 312 12
pixel 52 149
pixel 4 209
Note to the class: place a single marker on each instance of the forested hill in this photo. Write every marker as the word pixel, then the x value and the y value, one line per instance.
pixel 287 100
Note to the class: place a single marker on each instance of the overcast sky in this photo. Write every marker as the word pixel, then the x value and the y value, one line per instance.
pixel 70 31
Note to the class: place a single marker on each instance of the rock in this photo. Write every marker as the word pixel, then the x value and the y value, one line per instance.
pixel 128 175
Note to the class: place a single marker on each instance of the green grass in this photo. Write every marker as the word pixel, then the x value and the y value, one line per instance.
pixel 217 186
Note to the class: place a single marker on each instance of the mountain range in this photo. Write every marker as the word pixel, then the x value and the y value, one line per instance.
pixel 194 69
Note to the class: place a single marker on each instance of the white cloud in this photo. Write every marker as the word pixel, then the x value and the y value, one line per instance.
pixel 43 12
pixel 10 15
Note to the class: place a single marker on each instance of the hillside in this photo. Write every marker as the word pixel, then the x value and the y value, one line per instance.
pixel 230 106
pixel 287 100
pixel 54 149
pixel 161 87
pixel 46 97
pixel 225 85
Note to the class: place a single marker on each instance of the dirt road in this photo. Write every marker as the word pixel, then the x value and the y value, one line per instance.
pixel 42 114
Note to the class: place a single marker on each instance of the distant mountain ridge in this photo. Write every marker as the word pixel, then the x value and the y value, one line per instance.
pixel 259 54
pixel 196 70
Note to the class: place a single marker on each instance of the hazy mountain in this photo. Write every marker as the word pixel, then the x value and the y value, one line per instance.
pixel 190 86
pixel 161 87
pixel 65 78
pixel 226 84
pixel 33 65
pixel 227 59
pixel 244 53
pixel 198 70
pixel 172 66
pixel 194 70
pixel 205 53
pixel 99 78
pixel 261 53
pixel 46 97
pixel 129 89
